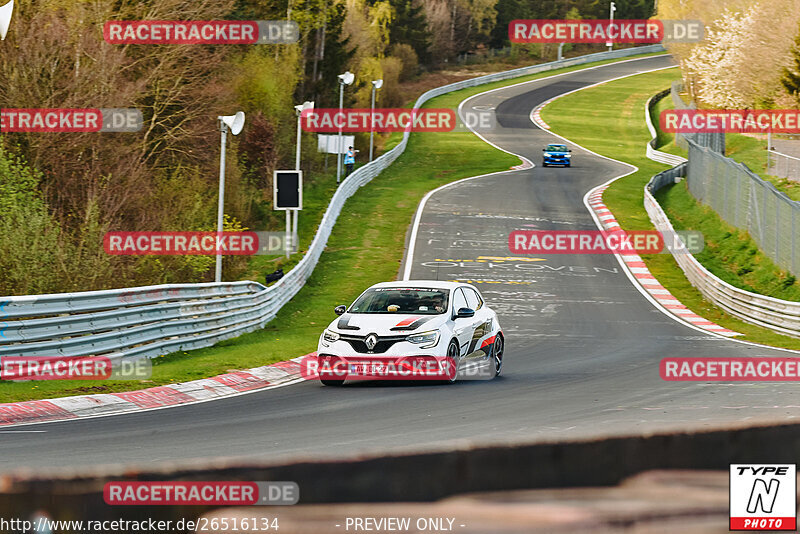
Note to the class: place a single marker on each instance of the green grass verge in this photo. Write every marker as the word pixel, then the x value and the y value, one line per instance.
pixel 365 247
pixel 753 152
pixel 665 141
pixel 609 120
pixel 729 253
pixel 316 196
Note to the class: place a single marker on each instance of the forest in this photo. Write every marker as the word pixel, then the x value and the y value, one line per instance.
pixel 61 192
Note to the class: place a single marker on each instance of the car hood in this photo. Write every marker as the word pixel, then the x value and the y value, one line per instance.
pixel 386 324
pixel 555 153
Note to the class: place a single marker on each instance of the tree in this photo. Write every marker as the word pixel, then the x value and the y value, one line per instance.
pixel 410 27
pixel 791 75
pixel 333 52
pixel 508 10
pixel 717 64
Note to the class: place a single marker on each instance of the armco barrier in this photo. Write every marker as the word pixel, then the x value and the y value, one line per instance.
pixel 151 321
pixel 650 150
pixel 781 316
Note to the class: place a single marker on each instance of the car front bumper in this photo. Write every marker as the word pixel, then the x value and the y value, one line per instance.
pixel 383 367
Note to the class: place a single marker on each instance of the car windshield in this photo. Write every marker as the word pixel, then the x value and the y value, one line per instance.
pixel 556 148
pixel 421 301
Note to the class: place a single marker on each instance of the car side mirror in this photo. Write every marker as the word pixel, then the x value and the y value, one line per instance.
pixel 544 150
pixel 340 309
pixel 465 313
pixel 569 150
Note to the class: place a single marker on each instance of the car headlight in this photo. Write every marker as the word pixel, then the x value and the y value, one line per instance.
pixel 330 336
pixel 426 339
pixel 567 155
pixel 548 154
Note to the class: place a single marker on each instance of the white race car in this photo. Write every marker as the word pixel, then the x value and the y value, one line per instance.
pixel 412 330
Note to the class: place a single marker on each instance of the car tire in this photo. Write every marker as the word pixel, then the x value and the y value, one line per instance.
pixel 544 164
pixel 568 165
pixel 498 348
pixel 331 382
pixel 454 358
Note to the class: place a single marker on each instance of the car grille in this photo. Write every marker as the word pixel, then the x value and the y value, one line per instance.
pixel 359 343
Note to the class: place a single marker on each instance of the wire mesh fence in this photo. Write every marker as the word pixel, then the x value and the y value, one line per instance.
pixel 783 165
pixel 738 195
pixel 748 202
pixel 713 140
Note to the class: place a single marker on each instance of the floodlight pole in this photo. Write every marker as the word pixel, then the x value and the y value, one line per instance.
pixel 288 237
pixel 339 143
pixel 220 209
pixel 344 79
pixel 295 214
pixel 611 10
pixel 376 84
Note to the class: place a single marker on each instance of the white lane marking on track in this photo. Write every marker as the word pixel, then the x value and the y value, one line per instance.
pixel 412 241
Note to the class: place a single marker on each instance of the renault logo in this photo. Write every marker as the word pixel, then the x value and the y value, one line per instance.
pixel 371 341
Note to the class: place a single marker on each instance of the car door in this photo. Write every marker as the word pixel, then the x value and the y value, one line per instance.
pixel 482 324
pixel 462 327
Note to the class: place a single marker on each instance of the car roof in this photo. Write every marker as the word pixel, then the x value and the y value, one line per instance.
pixel 435 284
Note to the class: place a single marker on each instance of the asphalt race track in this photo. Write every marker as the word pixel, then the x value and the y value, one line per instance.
pixel 582 344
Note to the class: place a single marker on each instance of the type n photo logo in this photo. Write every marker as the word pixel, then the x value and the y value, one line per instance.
pixel 763 497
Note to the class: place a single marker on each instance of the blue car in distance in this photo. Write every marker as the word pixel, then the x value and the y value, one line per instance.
pixel 556 155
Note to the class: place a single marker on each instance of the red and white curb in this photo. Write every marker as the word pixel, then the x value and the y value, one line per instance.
pixel 526 164
pixel 642 274
pixel 536 115
pixel 86 406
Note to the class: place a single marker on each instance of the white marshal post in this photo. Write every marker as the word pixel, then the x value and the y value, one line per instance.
pixel 235 123
pixel 287 190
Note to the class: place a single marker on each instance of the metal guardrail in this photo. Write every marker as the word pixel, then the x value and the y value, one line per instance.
pixel 781 316
pixel 650 149
pixel 152 321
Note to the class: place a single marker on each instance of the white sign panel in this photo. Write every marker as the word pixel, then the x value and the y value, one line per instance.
pixel 327 143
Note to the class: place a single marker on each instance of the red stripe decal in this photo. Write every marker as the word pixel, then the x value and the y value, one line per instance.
pixel 406 322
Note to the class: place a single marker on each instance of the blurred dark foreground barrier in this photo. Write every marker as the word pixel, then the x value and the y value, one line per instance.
pixel 419 476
